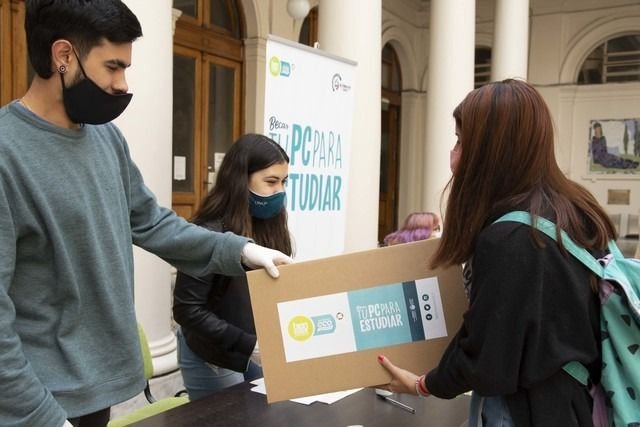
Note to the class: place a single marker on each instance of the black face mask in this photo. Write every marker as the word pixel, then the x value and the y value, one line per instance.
pixel 86 102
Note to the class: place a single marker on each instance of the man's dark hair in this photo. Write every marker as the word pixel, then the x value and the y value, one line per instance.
pixel 85 23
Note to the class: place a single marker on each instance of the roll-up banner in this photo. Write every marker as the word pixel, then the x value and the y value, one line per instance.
pixel 309 112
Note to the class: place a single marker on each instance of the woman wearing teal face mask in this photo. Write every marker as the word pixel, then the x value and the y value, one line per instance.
pixel 217 344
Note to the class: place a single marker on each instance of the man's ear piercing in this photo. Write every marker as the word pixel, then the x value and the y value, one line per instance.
pixel 62 69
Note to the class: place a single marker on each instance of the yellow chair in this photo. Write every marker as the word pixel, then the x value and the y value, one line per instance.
pixel 155 406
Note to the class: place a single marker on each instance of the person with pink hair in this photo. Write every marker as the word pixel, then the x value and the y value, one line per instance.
pixel 417 226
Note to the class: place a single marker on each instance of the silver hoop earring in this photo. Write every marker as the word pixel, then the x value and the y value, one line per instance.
pixel 62 69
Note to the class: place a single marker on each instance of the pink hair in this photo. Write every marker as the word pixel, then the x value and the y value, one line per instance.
pixel 417 226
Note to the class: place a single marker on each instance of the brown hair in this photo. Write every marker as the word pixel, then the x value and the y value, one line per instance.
pixel 228 201
pixel 507 163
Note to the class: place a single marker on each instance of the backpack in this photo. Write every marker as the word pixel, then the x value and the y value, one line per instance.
pixel 617 397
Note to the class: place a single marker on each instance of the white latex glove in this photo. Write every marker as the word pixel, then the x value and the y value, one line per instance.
pixel 67 424
pixel 256 256
pixel 255 356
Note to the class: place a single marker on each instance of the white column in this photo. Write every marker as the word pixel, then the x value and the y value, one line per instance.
pixel 510 52
pixel 254 66
pixel 352 29
pixel 451 66
pixel 411 153
pixel 150 79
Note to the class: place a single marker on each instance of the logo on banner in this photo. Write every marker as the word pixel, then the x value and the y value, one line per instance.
pixel 337 84
pixel 278 67
pixel 301 328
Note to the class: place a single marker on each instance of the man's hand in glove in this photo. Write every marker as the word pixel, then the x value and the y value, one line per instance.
pixel 256 256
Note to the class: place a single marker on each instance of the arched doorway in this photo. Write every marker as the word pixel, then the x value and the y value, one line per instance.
pixel 614 61
pixel 309 29
pixel 207 95
pixel 389 142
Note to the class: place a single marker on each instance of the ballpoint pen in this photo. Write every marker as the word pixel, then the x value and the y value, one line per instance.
pixel 398 404
pixel 383 395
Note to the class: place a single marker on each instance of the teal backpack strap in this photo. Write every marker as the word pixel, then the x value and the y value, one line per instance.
pixel 577 371
pixel 549 228
pixel 615 250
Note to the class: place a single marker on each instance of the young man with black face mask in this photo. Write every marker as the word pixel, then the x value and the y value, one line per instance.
pixel 72 203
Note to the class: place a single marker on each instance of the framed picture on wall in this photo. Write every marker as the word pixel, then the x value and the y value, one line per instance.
pixel 614 147
pixel 618 197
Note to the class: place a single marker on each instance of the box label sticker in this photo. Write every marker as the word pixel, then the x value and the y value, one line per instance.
pixel 345 322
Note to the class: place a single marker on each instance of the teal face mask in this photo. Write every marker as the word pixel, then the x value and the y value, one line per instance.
pixel 265 207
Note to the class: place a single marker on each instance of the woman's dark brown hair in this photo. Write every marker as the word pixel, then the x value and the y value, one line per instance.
pixel 507 162
pixel 228 201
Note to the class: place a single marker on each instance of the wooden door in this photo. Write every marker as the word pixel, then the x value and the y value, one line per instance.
pixel 207 95
pixel 389 151
pixel 391 82
pixel 206 121
pixel 187 134
pixel 15 72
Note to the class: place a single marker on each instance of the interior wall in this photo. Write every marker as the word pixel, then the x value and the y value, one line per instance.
pixel 562 34
pixel 410 43
pixel 560 41
pixel 601 102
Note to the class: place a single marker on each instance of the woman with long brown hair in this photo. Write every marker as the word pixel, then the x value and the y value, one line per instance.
pixel 217 344
pixel 532 306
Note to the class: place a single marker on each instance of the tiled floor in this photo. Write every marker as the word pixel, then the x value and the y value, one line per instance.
pixel 161 387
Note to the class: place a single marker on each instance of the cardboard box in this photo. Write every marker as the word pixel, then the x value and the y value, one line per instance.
pixel 322 324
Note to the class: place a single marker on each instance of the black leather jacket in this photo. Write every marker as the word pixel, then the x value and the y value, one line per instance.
pixel 216 317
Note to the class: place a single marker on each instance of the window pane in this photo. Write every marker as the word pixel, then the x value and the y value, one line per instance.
pixel 623 78
pixel 622 62
pixel 482 73
pixel 220 14
pixel 188 7
pixel 624 44
pixel 224 14
pixel 623 69
pixel 633 56
pixel 183 120
pixel 591 71
pixel 617 60
pixel 623 72
pixel 221 111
